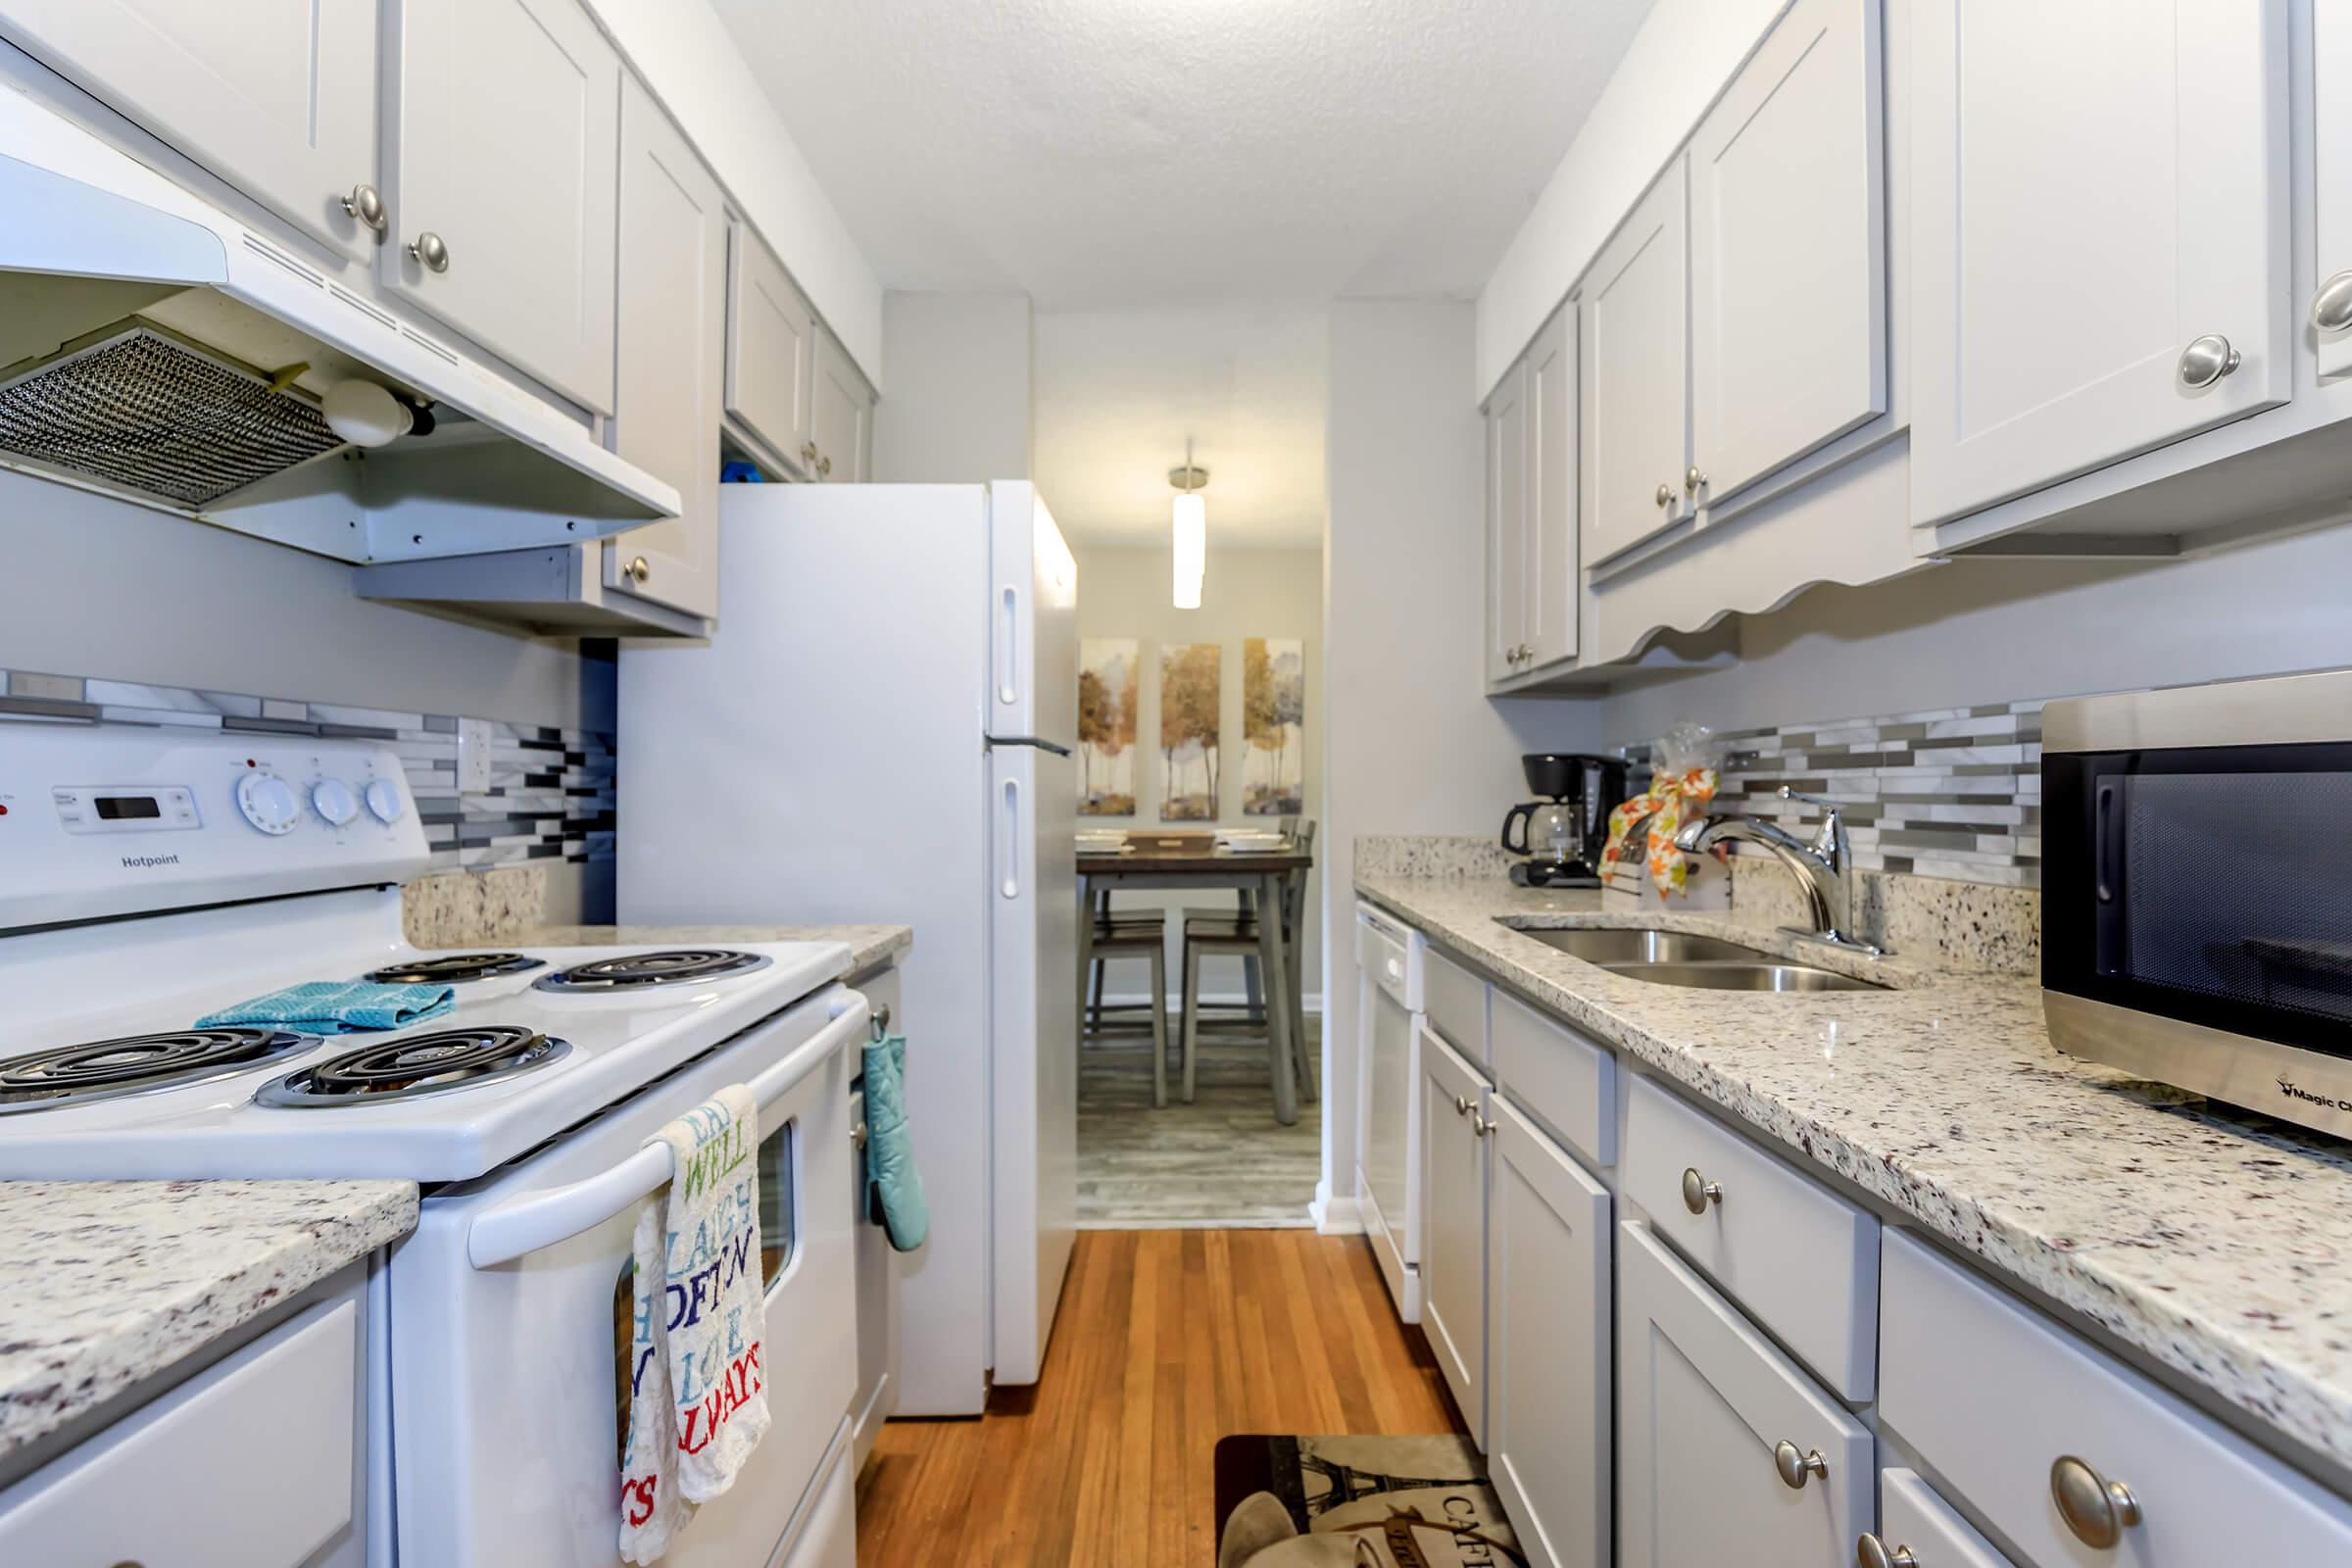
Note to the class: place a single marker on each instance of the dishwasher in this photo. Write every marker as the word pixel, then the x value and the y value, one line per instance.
pixel 1389 961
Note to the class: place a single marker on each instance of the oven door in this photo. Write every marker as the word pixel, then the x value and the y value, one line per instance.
pixel 508 1379
pixel 2197 926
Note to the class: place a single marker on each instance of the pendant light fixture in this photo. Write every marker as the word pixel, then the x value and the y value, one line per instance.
pixel 1191 524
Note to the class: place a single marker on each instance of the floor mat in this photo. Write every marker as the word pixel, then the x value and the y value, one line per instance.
pixel 1357 1503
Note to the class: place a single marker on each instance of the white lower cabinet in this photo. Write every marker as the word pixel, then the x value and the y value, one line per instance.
pixel 1917 1525
pixel 1547 1346
pixel 1710 1418
pixel 1452 1140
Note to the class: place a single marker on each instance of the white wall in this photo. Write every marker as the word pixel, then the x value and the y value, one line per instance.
pixel 962 389
pixel 1685 55
pixel 689 61
pixel 2002 631
pixel 1410 744
pixel 1124 591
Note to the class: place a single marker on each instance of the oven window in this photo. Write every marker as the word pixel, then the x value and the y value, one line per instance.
pixel 778 1238
pixel 2207 885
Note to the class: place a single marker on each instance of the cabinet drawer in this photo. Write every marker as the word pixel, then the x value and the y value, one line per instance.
pixel 1992 1397
pixel 1802 1262
pixel 1457 1003
pixel 1917 1521
pixel 1565 1082
pixel 178 1482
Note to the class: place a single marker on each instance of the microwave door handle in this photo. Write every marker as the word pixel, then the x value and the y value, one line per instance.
pixel 2103 828
pixel 524 1225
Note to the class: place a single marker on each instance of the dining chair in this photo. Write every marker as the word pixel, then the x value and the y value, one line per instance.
pixel 1210 933
pixel 1132 937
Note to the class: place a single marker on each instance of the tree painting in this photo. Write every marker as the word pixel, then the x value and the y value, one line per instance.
pixel 1191 689
pixel 1108 674
pixel 1273 724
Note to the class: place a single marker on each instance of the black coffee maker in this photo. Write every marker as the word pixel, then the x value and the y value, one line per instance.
pixel 1560 835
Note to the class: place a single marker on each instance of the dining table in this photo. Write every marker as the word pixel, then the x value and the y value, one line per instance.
pixel 1192 862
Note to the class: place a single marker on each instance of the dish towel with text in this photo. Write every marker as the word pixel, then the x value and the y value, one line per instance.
pixel 698 1404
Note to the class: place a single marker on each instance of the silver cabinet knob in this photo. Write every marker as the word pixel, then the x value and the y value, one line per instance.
pixel 2332 306
pixel 367 204
pixel 1692 480
pixel 1871 1552
pixel 824 468
pixel 1698 1192
pixel 430 251
pixel 2096 1509
pixel 809 454
pixel 1461 1106
pixel 2206 361
pixel 1794 1467
pixel 1665 494
pixel 1479 1127
pixel 857 1136
pixel 637 571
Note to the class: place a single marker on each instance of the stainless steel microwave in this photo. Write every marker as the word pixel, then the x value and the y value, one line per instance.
pixel 2197 921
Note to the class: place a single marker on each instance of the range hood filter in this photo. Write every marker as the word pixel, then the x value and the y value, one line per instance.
pixel 136 408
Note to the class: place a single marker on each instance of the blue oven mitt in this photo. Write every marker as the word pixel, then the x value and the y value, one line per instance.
pixel 893 1185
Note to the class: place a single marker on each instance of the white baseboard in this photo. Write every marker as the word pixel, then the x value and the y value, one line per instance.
pixel 1335 1216
pixel 1313 1001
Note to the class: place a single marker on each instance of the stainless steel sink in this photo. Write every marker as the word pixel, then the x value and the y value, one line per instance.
pixel 1768 976
pixel 1643 947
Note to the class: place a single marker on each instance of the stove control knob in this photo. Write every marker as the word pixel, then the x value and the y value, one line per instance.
pixel 267 803
pixel 332 798
pixel 386 801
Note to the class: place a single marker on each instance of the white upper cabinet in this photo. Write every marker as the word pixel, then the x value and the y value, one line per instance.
pixel 2330 307
pixel 840 415
pixel 1788 250
pixel 276 97
pixel 1635 373
pixel 672 353
pixel 1506 527
pixel 1549 553
pixel 505 115
pixel 2100 229
pixel 771 354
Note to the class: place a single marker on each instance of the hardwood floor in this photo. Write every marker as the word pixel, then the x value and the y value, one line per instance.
pixel 1220 1161
pixel 1167 1341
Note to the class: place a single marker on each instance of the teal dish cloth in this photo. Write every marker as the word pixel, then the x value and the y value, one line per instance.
pixel 892 1183
pixel 336 1007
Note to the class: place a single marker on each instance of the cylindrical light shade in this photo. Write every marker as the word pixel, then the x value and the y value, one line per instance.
pixel 1192 547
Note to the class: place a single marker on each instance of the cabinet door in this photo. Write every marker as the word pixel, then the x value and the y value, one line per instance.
pixel 1914 1519
pixel 503 117
pixel 2331 186
pixel 672 346
pixel 1704 1401
pixel 771 353
pixel 2100 194
pixel 1506 526
pixel 1788 250
pixel 841 414
pixel 1635 349
pixel 1453 1224
pixel 277 97
pixel 1547 1347
pixel 1548 556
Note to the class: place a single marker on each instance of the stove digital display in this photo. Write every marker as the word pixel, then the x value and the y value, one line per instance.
pixel 126 807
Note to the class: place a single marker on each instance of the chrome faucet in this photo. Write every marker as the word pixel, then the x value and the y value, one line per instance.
pixel 1823 868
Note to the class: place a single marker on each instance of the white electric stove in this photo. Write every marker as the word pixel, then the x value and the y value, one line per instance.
pixel 154 877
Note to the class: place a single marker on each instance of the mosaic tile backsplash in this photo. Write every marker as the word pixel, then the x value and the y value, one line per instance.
pixel 551 790
pixel 1947 792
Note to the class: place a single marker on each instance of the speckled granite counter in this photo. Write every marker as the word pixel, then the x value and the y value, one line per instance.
pixel 869 944
pixel 2218 1246
pixel 111 1282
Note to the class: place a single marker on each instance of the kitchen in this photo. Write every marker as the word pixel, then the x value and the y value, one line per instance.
pixel 1883 1104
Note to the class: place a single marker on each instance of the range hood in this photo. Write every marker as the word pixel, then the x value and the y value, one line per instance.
pixel 154 348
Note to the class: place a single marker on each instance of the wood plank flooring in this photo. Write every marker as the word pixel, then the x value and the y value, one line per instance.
pixel 1167 1341
pixel 1222 1160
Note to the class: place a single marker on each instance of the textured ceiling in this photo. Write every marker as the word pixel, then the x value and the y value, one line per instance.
pixel 1118 391
pixel 1107 153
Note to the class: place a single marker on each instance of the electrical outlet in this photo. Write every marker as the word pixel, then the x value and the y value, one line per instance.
pixel 473 757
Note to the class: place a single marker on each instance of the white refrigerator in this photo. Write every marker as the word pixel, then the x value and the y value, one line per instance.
pixel 879 732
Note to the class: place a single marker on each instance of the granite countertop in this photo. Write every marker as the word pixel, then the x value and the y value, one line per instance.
pixel 111 1282
pixel 869 944
pixel 2219 1244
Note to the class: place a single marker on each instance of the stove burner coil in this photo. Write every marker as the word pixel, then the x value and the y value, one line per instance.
pixel 636 971
pixel 408 1068
pixel 449 968
pixel 67 1075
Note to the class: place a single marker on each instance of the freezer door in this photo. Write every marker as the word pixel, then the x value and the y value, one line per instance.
pixel 1033 927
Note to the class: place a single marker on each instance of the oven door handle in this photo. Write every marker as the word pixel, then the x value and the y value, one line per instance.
pixel 524 1225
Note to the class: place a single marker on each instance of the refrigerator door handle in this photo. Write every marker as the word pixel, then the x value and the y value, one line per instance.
pixel 1010 887
pixel 1038 741
pixel 1008 647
